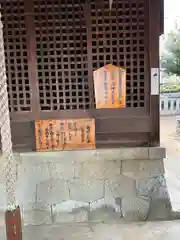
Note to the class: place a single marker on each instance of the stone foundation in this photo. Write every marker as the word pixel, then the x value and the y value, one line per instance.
pixel 93 186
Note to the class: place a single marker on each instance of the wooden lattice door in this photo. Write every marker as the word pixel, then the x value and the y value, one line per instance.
pixel 52 48
pixel 70 43
pixel 16 53
pixel 62 62
pixel 119 37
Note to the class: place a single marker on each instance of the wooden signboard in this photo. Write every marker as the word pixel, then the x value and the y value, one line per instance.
pixel 65 134
pixel 110 87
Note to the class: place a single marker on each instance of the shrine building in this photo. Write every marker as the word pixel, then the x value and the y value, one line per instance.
pixel 83 91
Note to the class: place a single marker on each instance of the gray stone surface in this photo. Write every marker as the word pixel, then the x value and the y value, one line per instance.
pixel 105 209
pixel 157 153
pixel 86 190
pixel 98 170
pixel 110 201
pixel 134 154
pixel 64 169
pixel 36 214
pixel 135 208
pixel 140 169
pixel 90 186
pixel 43 157
pixel 122 154
pixel 155 187
pixel 35 172
pixel 104 214
pixel 98 154
pixel 53 191
pixel 92 170
pixel 121 187
pixel 26 191
pixel 117 231
pixel 70 211
pixel 160 209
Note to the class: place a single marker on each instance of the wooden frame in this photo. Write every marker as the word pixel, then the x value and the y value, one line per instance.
pixel 154 32
pixel 131 126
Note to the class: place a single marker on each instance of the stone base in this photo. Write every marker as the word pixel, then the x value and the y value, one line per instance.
pixel 93 186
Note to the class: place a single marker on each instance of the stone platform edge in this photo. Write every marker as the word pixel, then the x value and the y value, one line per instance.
pixel 141 153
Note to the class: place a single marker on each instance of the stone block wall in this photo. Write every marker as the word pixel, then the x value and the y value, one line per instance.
pixel 92 186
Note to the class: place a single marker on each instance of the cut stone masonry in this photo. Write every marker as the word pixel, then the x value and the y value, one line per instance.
pixel 93 186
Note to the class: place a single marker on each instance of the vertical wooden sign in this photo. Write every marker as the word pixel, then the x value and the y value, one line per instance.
pixel 13 224
pixel 110 87
pixel 65 134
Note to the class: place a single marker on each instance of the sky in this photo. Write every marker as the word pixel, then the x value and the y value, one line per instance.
pixel 171 15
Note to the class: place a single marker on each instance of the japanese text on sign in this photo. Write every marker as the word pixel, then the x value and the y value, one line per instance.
pixel 65 134
pixel 110 87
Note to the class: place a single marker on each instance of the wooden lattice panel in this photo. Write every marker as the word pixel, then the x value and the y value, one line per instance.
pixel 64 32
pixel 61 54
pixel 118 37
pixel 13 19
pixel 65 134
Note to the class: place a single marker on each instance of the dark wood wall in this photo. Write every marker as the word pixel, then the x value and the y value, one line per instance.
pixel 53 47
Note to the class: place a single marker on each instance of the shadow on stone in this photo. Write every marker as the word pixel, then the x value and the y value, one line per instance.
pixel 104 214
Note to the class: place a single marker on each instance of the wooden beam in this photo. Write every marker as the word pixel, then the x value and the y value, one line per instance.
pixel 154 30
pixel 31 48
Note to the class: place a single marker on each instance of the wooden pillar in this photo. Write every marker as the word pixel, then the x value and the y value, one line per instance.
pixel 154 33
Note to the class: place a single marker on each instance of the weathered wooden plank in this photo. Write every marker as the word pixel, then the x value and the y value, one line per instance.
pixel 123 125
pixel 122 140
pixel 79 113
pixel 154 32
pixel 65 134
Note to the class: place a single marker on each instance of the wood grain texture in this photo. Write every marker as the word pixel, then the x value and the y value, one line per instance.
pixel 64 134
pixel 154 33
pixel 110 87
